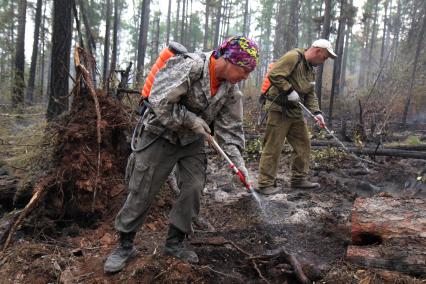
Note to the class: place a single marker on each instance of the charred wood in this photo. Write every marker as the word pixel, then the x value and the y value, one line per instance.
pixel 378 219
pixel 389 233
pixel 420 147
pixel 8 186
pixel 410 260
pixel 380 152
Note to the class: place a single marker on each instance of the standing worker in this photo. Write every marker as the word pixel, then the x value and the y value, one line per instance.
pixel 292 80
pixel 191 92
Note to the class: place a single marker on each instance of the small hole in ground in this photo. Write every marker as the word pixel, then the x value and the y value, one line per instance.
pixel 365 239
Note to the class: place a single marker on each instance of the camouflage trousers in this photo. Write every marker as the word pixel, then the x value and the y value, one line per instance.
pixel 149 172
pixel 278 128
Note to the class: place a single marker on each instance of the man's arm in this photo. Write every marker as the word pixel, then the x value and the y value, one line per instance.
pixel 311 102
pixel 229 127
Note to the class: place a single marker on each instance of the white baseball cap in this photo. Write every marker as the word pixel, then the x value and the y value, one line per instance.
pixel 323 43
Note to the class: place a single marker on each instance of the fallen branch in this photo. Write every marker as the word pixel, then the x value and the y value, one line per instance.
pixel 218 241
pixel 383 152
pixel 420 147
pixel 258 271
pixel 221 273
pixel 290 258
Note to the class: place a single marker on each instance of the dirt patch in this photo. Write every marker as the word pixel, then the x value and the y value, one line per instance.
pixel 311 225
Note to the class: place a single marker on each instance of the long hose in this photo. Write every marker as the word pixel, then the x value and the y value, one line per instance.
pixel 138 130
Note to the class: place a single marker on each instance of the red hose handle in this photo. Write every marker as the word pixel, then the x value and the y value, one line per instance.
pixel 240 175
pixel 243 179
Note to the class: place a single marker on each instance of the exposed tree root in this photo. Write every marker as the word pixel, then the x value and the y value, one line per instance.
pixel 39 192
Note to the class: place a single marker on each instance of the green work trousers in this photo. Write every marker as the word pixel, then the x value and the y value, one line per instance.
pixel 278 128
pixel 151 168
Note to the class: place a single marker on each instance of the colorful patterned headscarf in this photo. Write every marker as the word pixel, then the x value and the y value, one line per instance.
pixel 240 51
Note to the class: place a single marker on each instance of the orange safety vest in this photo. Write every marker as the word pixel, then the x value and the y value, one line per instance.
pixel 168 52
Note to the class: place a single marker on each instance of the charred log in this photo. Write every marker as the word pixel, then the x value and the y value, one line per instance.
pixel 381 152
pixel 410 260
pixel 322 143
pixel 392 233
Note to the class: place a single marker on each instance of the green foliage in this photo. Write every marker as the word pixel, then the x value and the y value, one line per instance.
pixel 358 140
pixel 410 140
pixel 253 149
pixel 329 157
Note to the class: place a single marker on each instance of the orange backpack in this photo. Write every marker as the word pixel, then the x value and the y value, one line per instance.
pixel 173 49
pixel 266 83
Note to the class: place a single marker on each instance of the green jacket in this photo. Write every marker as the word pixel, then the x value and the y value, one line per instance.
pixel 292 72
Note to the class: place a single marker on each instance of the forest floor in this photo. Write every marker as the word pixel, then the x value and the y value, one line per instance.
pixel 313 225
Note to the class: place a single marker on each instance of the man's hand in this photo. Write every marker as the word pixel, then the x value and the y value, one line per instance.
pixel 244 171
pixel 201 127
pixel 293 97
pixel 320 120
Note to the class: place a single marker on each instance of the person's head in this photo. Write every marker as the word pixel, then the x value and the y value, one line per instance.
pixel 236 58
pixel 319 52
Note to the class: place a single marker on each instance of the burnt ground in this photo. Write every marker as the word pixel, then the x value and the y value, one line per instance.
pixel 312 225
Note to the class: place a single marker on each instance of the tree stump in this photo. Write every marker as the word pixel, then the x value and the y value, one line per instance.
pixel 389 233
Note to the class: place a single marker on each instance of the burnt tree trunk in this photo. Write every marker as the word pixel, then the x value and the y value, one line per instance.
pixel 370 67
pixel 246 28
pixel 385 25
pixel 176 28
pixel 182 27
pixel 337 61
pixel 114 40
pixel 60 62
pixel 169 10
pixel 413 73
pixel 279 30
pixel 19 84
pixel 393 231
pixel 106 44
pixel 42 59
pixel 396 30
pixel 206 25
pixel 217 24
pixel 31 80
pixel 91 43
pixel 142 42
pixel 292 30
pixel 325 35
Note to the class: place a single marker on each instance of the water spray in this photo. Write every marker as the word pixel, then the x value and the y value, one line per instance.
pixel 322 125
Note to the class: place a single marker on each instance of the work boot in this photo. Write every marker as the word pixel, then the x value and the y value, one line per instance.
pixel 125 250
pixel 304 184
pixel 268 190
pixel 175 246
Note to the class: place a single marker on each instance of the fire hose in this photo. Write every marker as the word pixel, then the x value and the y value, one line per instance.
pixel 322 125
pixel 230 163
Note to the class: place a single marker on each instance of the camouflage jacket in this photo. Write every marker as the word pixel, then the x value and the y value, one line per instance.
pixel 181 92
pixel 292 72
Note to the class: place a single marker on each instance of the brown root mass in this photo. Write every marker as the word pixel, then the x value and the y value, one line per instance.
pixel 87 173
